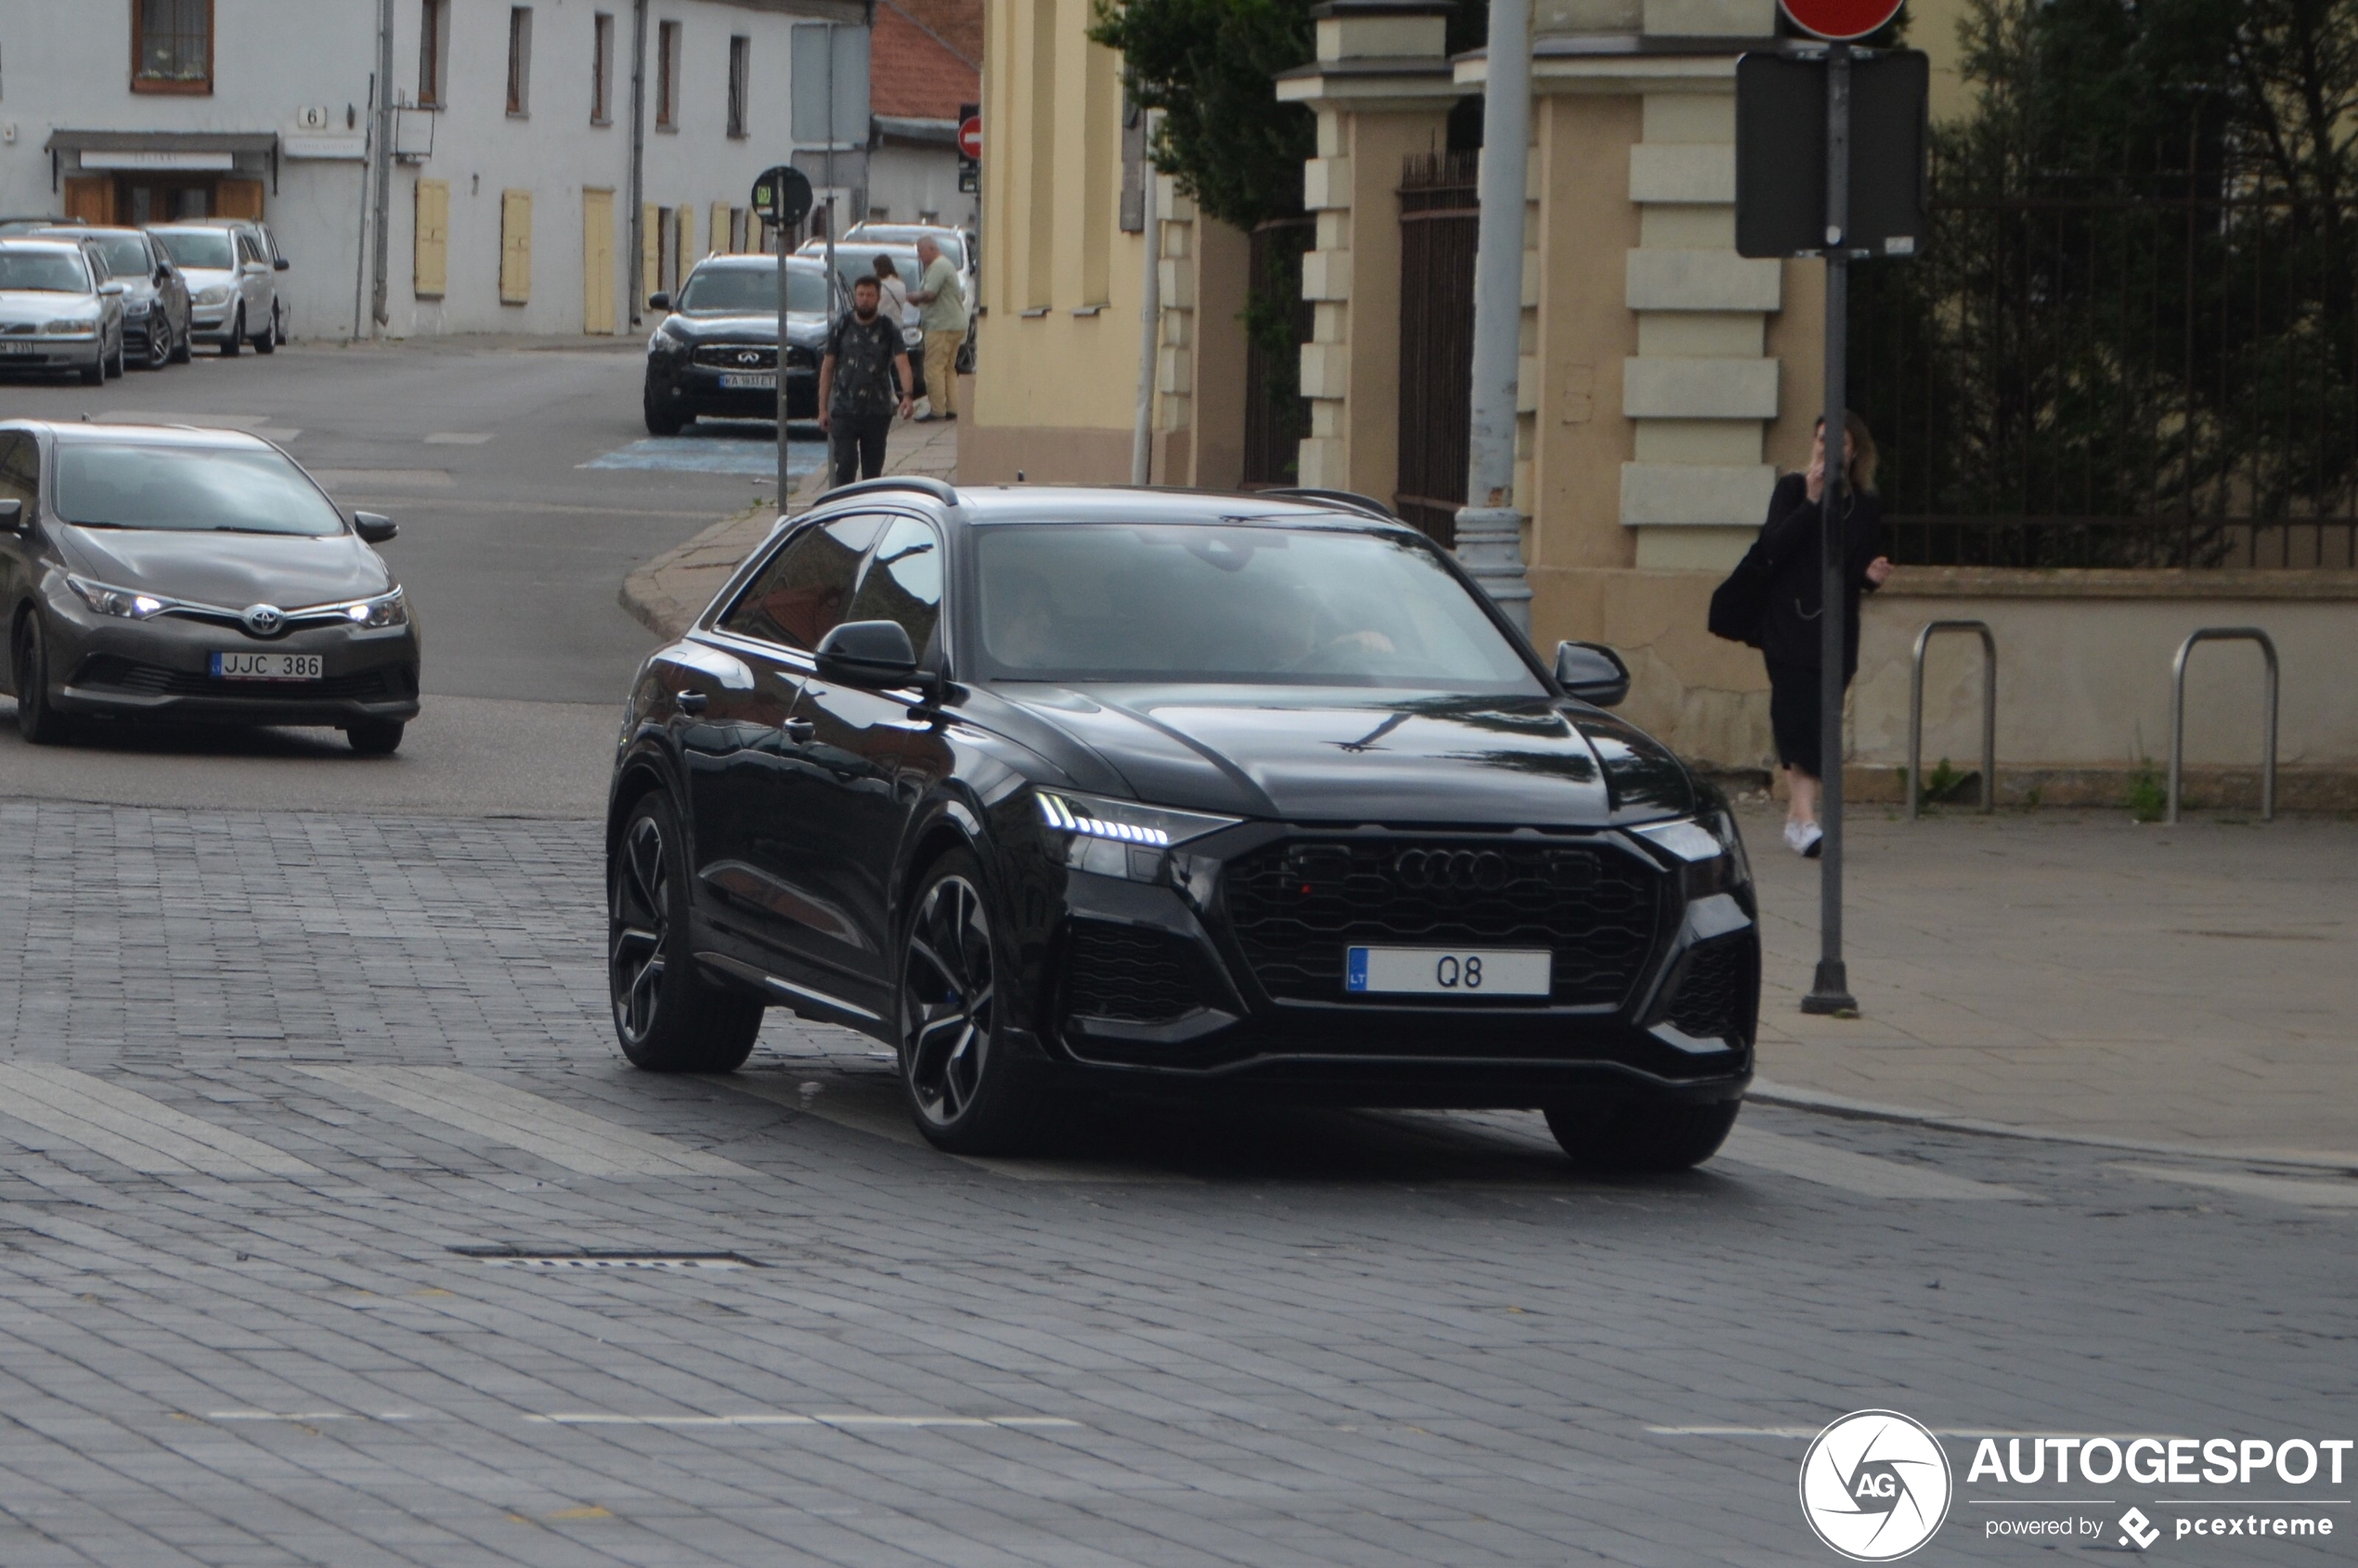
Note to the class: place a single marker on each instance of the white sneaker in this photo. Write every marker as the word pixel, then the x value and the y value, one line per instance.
pixel 1803 839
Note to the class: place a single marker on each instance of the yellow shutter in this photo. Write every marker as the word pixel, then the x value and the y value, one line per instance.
pixel 597 261
pixel 515 246
pixel 683 243
pixel 430 268
pixel 720 235
pixel 650 252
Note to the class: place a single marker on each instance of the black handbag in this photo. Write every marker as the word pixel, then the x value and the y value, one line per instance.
pixel 1739 605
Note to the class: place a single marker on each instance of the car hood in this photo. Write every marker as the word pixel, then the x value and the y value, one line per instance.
pixel 230 571
pixel 38 305
pixel 800 329
pixel 203 277
pixel 1320 755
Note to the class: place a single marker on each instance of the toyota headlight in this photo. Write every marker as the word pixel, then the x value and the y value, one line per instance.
pixel 1119 837
pixel 217 294
pixel 374 614
pixel 128 603
pixel 1709 849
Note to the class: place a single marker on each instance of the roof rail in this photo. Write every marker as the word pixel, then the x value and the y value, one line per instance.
pixel 1350 500
pixel 923 483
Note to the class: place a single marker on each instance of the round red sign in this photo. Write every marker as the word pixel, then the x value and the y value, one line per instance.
pixel 971 137
pixel 1840 20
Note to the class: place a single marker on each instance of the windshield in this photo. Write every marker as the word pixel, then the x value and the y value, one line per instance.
pixel 125 256
pixel 1228 603
pixel 195 490
pixel 855 261
pixel 746 290
pixel 199 247
pixel 873 235
pixel 47 272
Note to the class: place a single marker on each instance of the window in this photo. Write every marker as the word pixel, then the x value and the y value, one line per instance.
pixel 801 595
pixel 740 82
pixel 172 45
pixel 519 60
pixel 904 583
pixel 667 76
pixel 20 472
pixel 434 50
pixel 601 69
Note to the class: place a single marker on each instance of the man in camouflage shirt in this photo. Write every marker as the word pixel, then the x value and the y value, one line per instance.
pixel 858 389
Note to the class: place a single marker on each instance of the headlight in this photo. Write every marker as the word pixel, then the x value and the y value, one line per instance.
pixel 122 602
pixel 372 615
pixel 1119 837
pixel 1709 847
pixel 72 328
pixel 217 294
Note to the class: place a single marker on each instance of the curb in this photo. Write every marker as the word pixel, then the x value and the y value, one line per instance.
pixel 652 594
pixel 1867 1110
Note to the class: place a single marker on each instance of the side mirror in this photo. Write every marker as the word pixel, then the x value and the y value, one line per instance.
pixel 281 264
pixel 12 518
pixel 1592 672
pixel 114 286
pixel 868 654
pixel 374 527
pixel 658 302
pixel 163 275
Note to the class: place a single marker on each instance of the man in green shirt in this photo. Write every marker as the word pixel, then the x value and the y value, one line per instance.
pixel 942 314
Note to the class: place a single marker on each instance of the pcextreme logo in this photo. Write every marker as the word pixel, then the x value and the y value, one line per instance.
pixel 1875 1485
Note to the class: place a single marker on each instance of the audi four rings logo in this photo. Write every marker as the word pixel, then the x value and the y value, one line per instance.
pixel 1460 869
pixel 1875 1485
pixel 262 619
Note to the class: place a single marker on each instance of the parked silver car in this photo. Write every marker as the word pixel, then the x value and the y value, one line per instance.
pixel 232 282
pixel 59 309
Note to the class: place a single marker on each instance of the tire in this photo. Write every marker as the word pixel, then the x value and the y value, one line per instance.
pixel 660 420
pixel 1638 1136
pixel 237 338
pixel 159 352
pixel 966 1093
pixel 266 340
pixel 38 723
pixel 183 348
pixel 668 1017
pixel 94 373
pixel 278 324
pixel 114 367
pixel 375 737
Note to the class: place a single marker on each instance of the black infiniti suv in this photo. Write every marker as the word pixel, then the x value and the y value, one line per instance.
pixel 1055 790
pixel 716 355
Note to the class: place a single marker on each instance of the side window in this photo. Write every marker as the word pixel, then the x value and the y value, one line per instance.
pixel 246 252
pixel 903 582
pixel 802 594
pixel 20 471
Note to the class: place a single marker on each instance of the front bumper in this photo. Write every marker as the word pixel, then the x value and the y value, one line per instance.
pixel 1190 983
pixel 692 389
pixel 54 354
pixel 211 323
pixel 162 670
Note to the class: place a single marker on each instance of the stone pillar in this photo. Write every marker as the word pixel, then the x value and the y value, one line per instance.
pixel 1200 439
pixel 1381 89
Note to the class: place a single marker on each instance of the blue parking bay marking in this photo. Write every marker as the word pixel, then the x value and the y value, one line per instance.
pixel 702 449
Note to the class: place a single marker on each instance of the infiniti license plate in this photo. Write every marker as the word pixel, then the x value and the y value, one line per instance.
pixel 268 666
pixel 749 380
pixel 1448 971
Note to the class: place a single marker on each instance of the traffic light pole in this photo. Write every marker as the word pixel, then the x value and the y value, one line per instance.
pixel 1830 992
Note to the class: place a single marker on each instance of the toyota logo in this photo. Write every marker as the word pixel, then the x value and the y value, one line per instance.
pixel 749 357
pixel 263 619
pixel 1459 870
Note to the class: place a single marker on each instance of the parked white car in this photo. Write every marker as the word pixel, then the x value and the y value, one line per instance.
pixel 233 292
pixel 59 310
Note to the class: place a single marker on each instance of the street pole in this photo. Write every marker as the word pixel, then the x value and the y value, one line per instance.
pixel 1142 454
pixel 380 261
pixel 1489 528
pixel 1830 992
pixel 637 159
pixel 785 441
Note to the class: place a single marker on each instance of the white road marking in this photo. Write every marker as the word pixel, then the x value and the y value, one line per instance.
pixel 2247 1184
pixel 558 1134
pixel 601 1419
pixel 457 439
pixel 1969 1434
pixel 872 1103
pixel 130 1129
pixel 1810 1160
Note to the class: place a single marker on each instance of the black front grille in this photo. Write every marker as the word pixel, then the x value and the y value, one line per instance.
pixel 1135 975
pixel 800 358
pixel 147 679
pixel 1296 907
pixel 1714 992
pixel 737 357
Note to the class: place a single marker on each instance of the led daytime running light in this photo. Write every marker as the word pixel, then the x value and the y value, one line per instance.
pixel 1054 810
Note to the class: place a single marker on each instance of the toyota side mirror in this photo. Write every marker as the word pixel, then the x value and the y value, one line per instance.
pixel 12 517
pixel 868 654
pixel 374 527
pixel 658 302
pixel 1592 672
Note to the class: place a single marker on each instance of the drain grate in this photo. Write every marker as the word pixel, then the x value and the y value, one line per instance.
pixel 678 1262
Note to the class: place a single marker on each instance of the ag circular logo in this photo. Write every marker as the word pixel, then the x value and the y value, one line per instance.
pixel 1875 1485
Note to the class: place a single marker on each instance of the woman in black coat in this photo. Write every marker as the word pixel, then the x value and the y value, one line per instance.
pixel 1791 624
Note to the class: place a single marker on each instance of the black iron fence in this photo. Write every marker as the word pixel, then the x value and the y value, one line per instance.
pixel 2106 372
pixel 1277 322
pixel 1439 221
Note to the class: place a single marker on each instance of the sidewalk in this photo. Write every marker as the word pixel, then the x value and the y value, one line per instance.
pixel 668 592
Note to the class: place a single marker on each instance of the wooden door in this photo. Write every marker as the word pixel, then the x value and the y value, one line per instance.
pixel 90 198
pixel 430 268
pixel 650 254
pixel 597 261
pixel 238 199
pixel 720 229
pixel 515 246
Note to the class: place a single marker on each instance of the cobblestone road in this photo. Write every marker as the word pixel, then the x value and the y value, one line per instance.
pixel 291 1105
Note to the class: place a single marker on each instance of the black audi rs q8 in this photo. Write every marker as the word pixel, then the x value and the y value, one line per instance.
pixel 1063 792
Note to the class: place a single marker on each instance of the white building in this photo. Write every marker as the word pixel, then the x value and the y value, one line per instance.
pixel 510 204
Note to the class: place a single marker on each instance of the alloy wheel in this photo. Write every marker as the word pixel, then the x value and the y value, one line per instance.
pixel 639 922
pixel 948 1001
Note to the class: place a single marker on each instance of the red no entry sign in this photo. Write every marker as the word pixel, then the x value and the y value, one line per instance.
pixel 970 136
pixel 1840 20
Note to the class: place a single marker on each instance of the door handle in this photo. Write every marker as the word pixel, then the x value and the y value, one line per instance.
pixel 799 729
pixel 691 702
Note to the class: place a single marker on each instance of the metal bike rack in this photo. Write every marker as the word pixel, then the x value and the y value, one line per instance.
pixel 1988 714
pixel 2178 712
